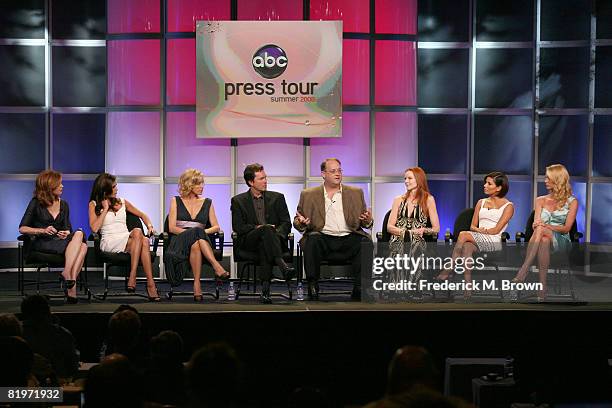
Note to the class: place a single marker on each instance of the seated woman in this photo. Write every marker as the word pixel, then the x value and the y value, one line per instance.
pixel 48 218
pixel 490 219
pixel 413 215
pixel 107 214
pixel 554 215
pixel 189 216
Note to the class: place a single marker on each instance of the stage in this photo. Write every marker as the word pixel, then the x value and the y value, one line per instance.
pixel 339 346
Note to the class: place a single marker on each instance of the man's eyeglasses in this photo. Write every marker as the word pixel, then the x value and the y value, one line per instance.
pixel 334 171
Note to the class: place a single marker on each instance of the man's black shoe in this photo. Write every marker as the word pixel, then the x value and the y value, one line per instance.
pixel 288 271
pixel 313 291
pixel 265 293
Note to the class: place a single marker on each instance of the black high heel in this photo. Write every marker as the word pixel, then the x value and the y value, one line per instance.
pixel 223 277
pixel 72 300
pixel 198 298
pixel 153 298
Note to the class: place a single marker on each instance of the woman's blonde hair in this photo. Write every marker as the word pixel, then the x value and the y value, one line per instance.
pixel 189 179
pixel 560 180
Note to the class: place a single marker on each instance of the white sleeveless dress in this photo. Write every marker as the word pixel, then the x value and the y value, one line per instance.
pixel 114 231
pixel 488 218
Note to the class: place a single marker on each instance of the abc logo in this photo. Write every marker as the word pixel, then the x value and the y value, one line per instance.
pixel 270 61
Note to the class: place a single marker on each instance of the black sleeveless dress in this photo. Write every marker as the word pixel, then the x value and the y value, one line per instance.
pixel 176 256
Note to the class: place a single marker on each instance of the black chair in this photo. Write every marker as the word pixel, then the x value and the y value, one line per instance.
pixel 247 260
pixel 120 261
pixel 29 258
pixel 217 247
pixel 559 261
pixel 495 259
pixel 332 260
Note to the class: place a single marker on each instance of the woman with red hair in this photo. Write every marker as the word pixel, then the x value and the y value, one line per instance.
pixel 48 219
pixel 413 216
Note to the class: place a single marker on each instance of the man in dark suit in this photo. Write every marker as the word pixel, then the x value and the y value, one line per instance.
pixel 261 220
pixel 332 217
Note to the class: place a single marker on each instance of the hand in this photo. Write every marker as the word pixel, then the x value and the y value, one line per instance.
pixel 418 231
pixel 302 220
pixel 105 204
pixel 366 216
pixel 151 229
pixel 63 234
pixel 50 230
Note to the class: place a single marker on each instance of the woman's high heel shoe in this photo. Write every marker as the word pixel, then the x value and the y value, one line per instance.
pixel 130 289
pixel 441 278
pixel 224 276
pixel 198 298
pixel 153 298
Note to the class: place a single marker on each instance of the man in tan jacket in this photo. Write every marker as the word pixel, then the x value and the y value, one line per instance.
pixel 332 217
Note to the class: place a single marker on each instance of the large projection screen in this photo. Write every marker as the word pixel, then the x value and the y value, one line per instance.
pixel 269 79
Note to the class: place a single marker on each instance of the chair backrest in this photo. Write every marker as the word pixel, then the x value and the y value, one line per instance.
pixel 463 222
pixel 385 234
pixel 529 228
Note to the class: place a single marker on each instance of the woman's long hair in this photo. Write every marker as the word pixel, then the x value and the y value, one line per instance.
pixel 422 193
pixel 46 182
pixel 560 180
pixel 102 190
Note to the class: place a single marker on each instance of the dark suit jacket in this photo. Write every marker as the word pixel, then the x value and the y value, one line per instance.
pixel 312 205
pixel 245 220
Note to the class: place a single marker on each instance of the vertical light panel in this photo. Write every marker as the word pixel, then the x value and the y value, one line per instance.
pixel 450 201
pixel 133 143
pixel 14 199
pixel 396 142
pixel 181 72
pixel 78 142
pixel 183 14
pixel 395 73
pixel 133 16
pixel 76 194
pixel 355 72
pixel 396 16
pixel 184 150
pixel 220 194
pixel 384 195
pixel 601 221
pixel 280 157
pixel 352 149
pixel 145 197
pixel 133 72
pixel 355 14
pixel 271 10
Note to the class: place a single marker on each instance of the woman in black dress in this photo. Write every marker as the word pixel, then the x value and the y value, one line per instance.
pixel 191 219
pixel 47 218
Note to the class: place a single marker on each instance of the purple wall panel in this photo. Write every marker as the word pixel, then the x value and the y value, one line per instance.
pixel 184 150
pixel 280 157
pixel 353 148
pixel 356 72
pixel 132 143
pixel 396 142
pixel 133 72
pixel 396 16
pixel 384 195
pixel 145 197
pixel 181 72
pixel 270 10
pixel 183 14
pixel 355 14
pixel 14 199
pixel 395 73
pixel 133 16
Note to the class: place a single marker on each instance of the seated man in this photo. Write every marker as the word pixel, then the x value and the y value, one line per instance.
pixel 261 220
pixel 331 218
